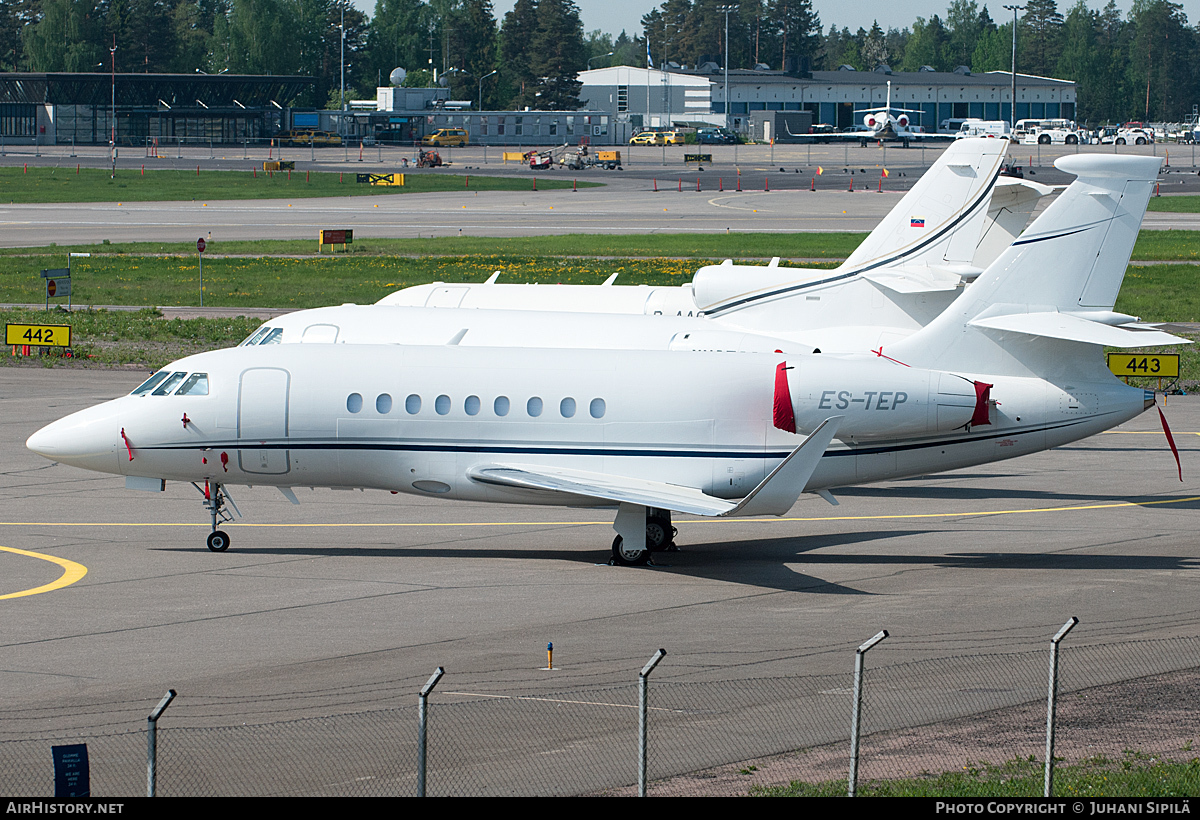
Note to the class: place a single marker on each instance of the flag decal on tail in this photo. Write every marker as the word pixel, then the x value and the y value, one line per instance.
pixel 916 222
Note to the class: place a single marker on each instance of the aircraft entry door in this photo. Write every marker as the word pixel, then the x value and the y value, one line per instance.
pixel 263 421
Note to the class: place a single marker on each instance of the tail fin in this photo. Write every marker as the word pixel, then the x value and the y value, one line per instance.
pixel 1055 285
pixel 939 221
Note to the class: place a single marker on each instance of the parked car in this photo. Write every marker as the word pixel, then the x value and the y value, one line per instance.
pixel 446 136
pixel 645 138
pixel 715 136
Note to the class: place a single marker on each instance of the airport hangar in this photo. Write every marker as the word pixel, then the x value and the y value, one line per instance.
pixel 657 98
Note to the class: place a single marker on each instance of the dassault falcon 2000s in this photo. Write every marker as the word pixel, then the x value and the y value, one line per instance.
pixel 1013 369
pixel 951 225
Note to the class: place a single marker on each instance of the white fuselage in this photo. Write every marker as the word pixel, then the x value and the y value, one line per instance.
pixel 420 419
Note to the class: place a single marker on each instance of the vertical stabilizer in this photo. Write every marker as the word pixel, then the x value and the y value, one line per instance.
pixel 940 219
pixel 1056 284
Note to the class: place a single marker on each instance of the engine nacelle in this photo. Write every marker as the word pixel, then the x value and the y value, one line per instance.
pixel 871 122
pixel 877 399
pixel 903 120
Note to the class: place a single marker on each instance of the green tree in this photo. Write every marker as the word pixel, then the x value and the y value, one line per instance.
pixel 557 55
pixel 1039 37
pixel 473 50
pixel 65 37
pixel 927 45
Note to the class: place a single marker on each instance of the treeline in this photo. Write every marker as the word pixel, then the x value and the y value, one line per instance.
pixel 537 50
pixel 1136 66
pixel 1140 66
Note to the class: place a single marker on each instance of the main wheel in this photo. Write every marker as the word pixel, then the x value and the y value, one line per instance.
pixel 218 541
pixel 658 534
pixel 628 557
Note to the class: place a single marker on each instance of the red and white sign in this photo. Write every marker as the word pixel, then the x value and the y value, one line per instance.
pixel 200 244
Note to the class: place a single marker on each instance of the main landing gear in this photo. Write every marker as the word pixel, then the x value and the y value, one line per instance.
pixel 215 498
pixel 640 532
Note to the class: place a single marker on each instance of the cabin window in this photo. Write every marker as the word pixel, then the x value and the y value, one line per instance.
pixel 354 402
pixel 501 405
pixel 534 407
pixel 567 408
pixel 273 338
pixel 149 384
pixel 597 408
pixel 442 405
pixel 413 404
pixel 196 385
pixel 383 404
pixel 254 337
pixel 170 384
pixel 471 405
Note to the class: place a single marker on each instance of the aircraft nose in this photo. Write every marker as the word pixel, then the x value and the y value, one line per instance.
pixel 85 439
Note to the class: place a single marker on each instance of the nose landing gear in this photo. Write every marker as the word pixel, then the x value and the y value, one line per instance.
pixel 215 498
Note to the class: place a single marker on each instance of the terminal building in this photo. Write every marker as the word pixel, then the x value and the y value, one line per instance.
pixel 66 109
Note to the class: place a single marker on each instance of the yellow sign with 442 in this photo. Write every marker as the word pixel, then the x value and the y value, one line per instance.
pixel 45 335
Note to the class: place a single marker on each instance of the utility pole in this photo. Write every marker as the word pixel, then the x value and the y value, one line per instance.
pixel 112 144
pixel 726 9
pixel 1012 113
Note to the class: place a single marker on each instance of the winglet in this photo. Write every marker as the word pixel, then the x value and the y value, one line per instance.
pixel 776 494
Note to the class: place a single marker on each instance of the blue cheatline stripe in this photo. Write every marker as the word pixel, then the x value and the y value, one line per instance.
pixel 626 452
pixel 891 260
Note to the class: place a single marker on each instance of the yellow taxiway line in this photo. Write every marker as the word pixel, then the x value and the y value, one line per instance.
pixel 72 572
pixel 960 514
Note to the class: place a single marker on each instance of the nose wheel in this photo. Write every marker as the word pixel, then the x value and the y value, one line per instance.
pixel 215 499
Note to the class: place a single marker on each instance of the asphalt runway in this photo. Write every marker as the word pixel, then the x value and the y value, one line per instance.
pixel 775 196
pixel 351 600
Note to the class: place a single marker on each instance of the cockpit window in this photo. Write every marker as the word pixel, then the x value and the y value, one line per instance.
pixel 254 337
pixel 149 384
pixel 196 385
pixel 170 384
pixel 273 338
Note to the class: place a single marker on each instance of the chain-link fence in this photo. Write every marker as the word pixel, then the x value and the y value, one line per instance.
pixel 1126 724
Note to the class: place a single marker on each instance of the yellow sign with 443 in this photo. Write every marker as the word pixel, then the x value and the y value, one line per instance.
pixel 45 335
pixel 1162 365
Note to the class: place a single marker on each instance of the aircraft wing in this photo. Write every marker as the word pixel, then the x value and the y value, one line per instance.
pixel 775 495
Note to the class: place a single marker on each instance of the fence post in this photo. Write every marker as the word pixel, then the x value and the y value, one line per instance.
pixel 152 743
pixel 643 691
pixel 423 727
pixel 1052 701
pixel 857 709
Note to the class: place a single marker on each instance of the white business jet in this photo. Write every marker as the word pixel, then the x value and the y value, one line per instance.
pixel 1015 369
pixel 905 273
pixel 950 226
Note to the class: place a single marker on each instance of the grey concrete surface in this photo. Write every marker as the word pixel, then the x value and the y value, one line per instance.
pixel 352 599
pixel 627 204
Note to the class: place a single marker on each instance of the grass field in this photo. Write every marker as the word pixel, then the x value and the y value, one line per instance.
pixel 1136 775
pixel 69 184
pixel 1152 246
pixel 1175 204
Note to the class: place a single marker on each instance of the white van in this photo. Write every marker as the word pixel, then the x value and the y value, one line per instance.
pixel 985 128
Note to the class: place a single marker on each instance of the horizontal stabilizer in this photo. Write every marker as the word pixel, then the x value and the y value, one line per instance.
pixel 1076 329
pixel 775 495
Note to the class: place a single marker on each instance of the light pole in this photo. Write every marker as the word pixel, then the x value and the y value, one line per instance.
pixel 1012 114
pixel 112 143
pixel 481 79
pixel 342 62
pixel 597 57
pixel 726 9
